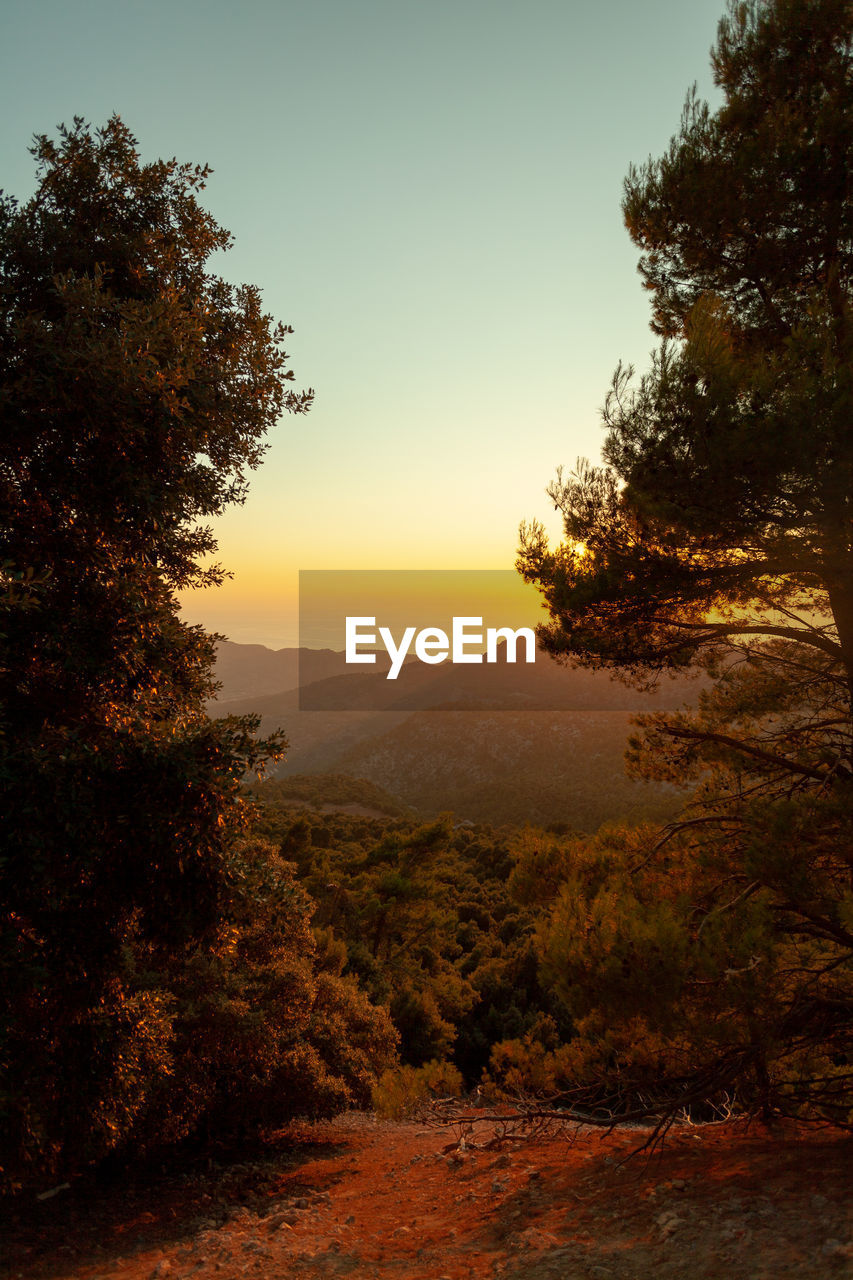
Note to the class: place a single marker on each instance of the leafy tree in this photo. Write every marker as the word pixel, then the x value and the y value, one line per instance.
pixel 432 920
pixel 720 531
pixel 261 1027
pixel 136 389
pixel 397 906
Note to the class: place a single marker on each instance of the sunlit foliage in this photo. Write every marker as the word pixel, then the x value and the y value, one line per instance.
pixel 426 918
pixel 157 972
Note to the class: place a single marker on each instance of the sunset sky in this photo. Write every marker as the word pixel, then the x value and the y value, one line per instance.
pixel 430 194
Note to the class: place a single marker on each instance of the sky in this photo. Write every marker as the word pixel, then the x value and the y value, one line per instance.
pixel 429 193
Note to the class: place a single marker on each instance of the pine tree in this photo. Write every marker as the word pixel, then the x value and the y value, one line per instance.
pixel 719 533
pixel 724 512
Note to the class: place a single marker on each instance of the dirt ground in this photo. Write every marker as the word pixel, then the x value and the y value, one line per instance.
pixel 370 1199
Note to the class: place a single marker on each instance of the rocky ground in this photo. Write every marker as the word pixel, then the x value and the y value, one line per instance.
pixel 376 1200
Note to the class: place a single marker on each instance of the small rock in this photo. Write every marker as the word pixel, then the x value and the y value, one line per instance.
pixel 163 1268
pixel 533 1238
pixel 668 1224
pixel 253 1246
pixel 286 1219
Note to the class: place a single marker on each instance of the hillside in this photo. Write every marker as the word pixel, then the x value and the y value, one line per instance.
pixel 511 767
pixel 558 757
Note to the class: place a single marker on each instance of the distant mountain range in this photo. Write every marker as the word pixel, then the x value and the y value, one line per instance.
pixel 555 757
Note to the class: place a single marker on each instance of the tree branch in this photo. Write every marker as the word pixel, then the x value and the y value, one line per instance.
pixel 769 757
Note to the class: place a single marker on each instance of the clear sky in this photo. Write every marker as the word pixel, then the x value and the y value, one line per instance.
pixel 429 192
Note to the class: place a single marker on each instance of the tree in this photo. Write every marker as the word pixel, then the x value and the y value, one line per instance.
pixel 136 390
pixel 719 532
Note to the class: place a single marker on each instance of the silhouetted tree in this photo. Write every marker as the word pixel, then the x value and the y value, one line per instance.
pixel 720 532
pixel 136 389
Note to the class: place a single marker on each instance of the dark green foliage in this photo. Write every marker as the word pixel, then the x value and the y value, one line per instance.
pixel 721 533
pixel 335 791
pixel 137 387
pixel 261 1029
pixel 724 514
pixel 750 204
pixel 425 918
pixel 714 971
pixel 155 973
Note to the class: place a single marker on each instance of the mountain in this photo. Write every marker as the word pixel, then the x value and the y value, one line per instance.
pixel 511 767
pixel 251 670
pixel 441 738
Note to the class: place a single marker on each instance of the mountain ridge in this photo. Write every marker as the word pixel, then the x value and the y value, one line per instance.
pixel 531 763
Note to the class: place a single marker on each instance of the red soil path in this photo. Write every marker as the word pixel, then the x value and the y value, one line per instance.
pixel 375 1200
